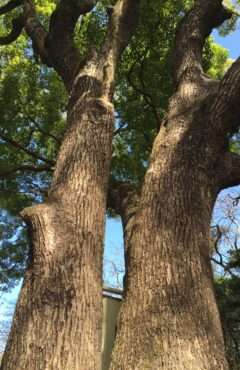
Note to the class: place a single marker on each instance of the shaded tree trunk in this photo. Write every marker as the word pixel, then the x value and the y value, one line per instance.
pixel 58 319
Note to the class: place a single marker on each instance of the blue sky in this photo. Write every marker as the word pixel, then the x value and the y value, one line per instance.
pixel 113 239
pixel 230 42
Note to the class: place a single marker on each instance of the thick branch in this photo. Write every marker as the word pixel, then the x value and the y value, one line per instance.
pixel 32 25
pixel 60 41
pixel 17 27
pixel 36 32
pixel 10 6
pixel 229 170
pixel 121 27
pixel 192 32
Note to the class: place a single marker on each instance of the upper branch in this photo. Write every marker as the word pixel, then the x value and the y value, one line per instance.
pixel 10 6
pixel 17 23
pixel 17 27
pixel 60 40
pixel 228 170
pixel 28 20
pixel 36 32
pixel 191 34
pixel 121 27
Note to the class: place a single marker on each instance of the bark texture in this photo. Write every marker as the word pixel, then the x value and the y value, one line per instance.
pixel 58 319
pixel 57 324
pixel 169 319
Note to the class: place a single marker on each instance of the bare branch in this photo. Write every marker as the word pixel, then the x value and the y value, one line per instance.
pixel 42 131
pixel 146 96
pixel 31 153
pixel 192 32
pixel 228 170
pixel 122 127
pixel 17 27
pixel 24 168
pixel 224 266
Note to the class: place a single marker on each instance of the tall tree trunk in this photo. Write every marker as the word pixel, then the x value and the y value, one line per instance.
pixel 169 319
pixel 58 318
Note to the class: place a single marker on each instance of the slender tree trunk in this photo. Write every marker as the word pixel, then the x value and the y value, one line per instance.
pixel 169 319
pixel 58 318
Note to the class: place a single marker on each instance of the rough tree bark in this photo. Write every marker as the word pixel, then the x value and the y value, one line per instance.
pixel 169 319
pixel 58 319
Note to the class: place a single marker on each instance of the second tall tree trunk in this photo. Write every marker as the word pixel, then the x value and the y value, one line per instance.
pixel 169 319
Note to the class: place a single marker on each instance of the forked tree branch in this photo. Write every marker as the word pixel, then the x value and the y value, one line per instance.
pixel 28 20
pixel 191 34
pixel 60 41
pixel 56 48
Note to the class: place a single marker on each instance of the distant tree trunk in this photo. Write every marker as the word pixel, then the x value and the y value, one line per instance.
pixel 58 319
pixel 169 318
